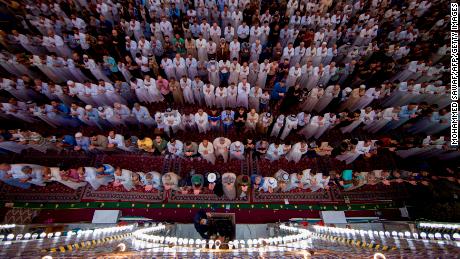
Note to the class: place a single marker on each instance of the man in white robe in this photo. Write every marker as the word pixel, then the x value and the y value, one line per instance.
pixel 175 148
pixel 243 92
pixel 237 150
pixel 274 152
pixel 277 126
pixel 209 97
pixel 222 147
pixel 206 150
pixel 221 97
pixel 297 151
pixel 201 119
pixel 291 123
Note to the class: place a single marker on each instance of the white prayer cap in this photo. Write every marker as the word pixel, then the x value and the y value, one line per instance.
pixel 127 38
pixel 78 135
pixel 281 116
pixel 212 177
pixel 88 107
pixel 69 82
pixel 100 108
pixel 285 176
pixel 362 86
pixel 85 56
pixel 348 90
pixel 268 115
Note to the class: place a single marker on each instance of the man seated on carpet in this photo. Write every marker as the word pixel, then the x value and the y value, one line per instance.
pixel 115 141
pixel 105 169
pixel 261 148
pixel 228 185
pixel 98 142
pixel 270 184
pixel 6 175
pixel 237 150
pixel 191 150
pixel 170 181
pixel 81 142
pixel 95 179
pixel 283 179
pixel 257 181
pixel 175 148
pixel 160 145
pixel 123 177
pixel 68 177
pixel 33 175
pixel 243 182
pixel 300 181
pixel 319 181
pixel 152 180
pixel 145 143
pixel 197 183
pixel 214 183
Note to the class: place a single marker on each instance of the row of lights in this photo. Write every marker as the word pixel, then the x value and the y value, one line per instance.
pixel 6 226
pixel 298 235
pixel 382 234
pixel 442 226
pixel 43 235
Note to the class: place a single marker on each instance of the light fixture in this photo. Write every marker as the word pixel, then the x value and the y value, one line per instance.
pixel 43 235
pixel 34 236
pixel 423 235
pixel 19 236
pixel 27 235
pixel 217 244
pixel 10 236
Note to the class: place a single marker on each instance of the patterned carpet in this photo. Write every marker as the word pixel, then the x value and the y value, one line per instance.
pixel 56 192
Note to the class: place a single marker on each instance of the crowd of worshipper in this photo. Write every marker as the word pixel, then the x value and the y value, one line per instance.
pixel 224 52
pixel 222 149
pixel 228 185
pixel 271 68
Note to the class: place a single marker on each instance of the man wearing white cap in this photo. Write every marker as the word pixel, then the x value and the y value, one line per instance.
pixel 123 113
pixel 237 150
pixel 170 181
pixel 283 178
pixel 92 115
pixel 222 147
pixel 269 185
pixel 82 143
pixel 243 93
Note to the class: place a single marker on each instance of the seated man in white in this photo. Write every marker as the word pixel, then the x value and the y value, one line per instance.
pixel 123 177
pixel 95 179
pixel 152 180
pixel 269 185
pixel 237 150
pixel 69 178
pixel 300 180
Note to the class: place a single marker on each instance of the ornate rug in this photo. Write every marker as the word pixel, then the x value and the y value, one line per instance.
pixel 183 167
pixel 110 193
pixel 371 193
pixel 53 192
pixel 292 197
pixel 206 197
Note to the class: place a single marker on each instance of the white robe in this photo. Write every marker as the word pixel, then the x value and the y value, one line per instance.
pixel 296 152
